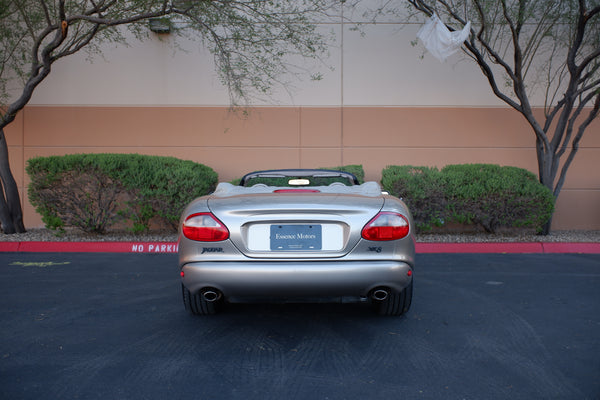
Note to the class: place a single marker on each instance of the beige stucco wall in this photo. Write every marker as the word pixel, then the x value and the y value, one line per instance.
pixel 305 137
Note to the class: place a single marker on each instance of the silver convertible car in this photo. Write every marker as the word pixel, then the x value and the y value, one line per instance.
pixel 297 236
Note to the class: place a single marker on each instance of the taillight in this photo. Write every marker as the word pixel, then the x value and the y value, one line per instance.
pixel 386 226
pixel 204 227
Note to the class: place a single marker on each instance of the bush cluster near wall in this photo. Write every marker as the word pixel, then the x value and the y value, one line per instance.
pixel 93 192
pixel 489 196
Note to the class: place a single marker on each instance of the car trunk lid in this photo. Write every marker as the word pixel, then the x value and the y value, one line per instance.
pixel 295 224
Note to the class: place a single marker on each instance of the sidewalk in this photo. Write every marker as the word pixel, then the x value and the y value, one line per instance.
pixel 421 247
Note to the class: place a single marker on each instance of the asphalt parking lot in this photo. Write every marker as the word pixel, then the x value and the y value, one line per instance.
pixel 482 326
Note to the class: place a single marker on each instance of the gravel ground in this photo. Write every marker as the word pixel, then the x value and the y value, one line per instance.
pixel 558 236
pixel 464 237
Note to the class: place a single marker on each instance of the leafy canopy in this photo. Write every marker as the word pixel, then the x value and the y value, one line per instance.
pixel 251 40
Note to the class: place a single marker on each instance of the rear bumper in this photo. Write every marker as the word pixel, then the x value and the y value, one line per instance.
pixel 296 279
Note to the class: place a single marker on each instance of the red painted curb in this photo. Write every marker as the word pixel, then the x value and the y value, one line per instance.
pixel 90 247
pixel 421 247
pixel 586 248
pixel 9 246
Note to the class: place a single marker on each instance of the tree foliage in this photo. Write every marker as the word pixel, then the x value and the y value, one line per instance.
pixel 251 40
pixel 528 47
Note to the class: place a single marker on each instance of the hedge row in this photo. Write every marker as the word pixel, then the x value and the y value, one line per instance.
pixel 486 195
pixel 94 192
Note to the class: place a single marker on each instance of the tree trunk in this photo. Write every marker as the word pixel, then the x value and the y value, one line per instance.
pixel 547 226
pixel 11 213
pixel 547 176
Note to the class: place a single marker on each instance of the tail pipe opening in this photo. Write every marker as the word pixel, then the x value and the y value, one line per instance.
pixel 380 294
pixel 211 295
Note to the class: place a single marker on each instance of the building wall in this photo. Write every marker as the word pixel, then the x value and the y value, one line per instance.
pixel 382 101
pixel 304 137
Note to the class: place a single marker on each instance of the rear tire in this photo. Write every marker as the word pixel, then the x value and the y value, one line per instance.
pixel 196 304
pixel 397 303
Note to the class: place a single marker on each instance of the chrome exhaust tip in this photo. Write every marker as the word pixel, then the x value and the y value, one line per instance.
pixel 379 294
pixel 211 295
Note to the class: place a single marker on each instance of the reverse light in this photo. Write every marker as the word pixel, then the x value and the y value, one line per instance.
pixel 204 227
pixel 386 226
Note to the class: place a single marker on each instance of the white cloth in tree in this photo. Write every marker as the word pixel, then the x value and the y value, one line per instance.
pixel 439 40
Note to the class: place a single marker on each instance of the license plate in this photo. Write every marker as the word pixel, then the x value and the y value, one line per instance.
pixel 295 237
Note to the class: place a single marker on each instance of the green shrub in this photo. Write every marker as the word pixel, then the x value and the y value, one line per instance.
pixel 423 190
pixel 356 170
pixel 492 196
pixel 94 191
pixel 83 197
pixel 177 183
pixel 485 195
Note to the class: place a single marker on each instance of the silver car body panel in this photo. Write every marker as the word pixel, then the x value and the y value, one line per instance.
pixel 346 265
pixel 296 278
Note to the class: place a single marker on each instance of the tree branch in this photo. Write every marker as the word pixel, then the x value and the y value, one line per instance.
pixel 575 146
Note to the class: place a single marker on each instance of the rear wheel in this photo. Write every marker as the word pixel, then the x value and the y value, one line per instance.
pixel 197 305
pixel 396 303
